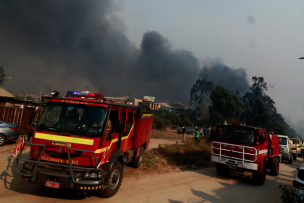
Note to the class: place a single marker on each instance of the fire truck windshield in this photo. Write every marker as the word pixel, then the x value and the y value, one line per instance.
pixel 235 134
pixel 72 119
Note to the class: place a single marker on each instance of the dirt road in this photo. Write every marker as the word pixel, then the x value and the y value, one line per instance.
pixel 190 186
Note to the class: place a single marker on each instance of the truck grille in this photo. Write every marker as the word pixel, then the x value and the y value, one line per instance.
pixel 61 155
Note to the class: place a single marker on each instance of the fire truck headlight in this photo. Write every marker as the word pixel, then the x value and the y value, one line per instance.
pixel 35 152
pixel 28 165
pixel 91 175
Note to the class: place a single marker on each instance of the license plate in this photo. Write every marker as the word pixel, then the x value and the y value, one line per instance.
pixel 230 162
pixel 52 184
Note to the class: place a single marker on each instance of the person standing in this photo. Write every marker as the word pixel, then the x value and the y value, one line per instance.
pixel 196 134
pixel 205 132
pixel 184 134
pixel 201 133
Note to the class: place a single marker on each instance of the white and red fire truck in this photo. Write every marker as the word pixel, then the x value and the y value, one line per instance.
pixel 82 142
pixel 246 148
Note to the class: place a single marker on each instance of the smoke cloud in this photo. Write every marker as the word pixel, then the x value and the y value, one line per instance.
pixel 79 45
pixel 220 74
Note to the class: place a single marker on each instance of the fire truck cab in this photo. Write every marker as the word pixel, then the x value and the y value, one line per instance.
pixel 82 142
pixel 246 148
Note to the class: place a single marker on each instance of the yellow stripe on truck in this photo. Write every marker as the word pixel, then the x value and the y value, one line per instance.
pixel 113 141
pixel 60 138
pixel 147 116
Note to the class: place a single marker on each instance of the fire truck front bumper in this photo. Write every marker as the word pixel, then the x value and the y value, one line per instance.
pixel 236 163
pixel 62 180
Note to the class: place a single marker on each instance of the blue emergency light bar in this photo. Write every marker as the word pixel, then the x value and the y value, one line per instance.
pixel 72 93
pixel 85 94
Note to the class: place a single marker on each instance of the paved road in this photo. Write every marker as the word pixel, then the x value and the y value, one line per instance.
pixel 190 186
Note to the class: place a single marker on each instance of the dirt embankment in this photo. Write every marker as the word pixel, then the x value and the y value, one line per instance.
pixel 173 157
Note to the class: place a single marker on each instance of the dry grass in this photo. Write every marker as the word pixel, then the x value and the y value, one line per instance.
pixel 188 153
pixel 171 158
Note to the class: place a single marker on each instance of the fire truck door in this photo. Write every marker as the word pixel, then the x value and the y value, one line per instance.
pixel 111 138
pixel 128 135
pixel 120 126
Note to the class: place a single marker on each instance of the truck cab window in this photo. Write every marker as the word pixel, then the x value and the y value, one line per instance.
pixel 111 122
pixel 130 120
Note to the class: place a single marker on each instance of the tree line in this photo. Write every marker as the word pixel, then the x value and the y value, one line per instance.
pixel 214 104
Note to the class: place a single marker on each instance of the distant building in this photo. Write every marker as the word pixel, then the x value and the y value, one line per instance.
pixel 149 98
pixel 8 100
pixel 179 105
pixel 118 99
pixel 138 102
pixel 166 106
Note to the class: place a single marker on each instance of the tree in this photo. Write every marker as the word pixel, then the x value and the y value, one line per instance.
pixel 226 105
pixel 200 96
pixel 2 76
pixel 187 122
pixel 258 86
pixel 190 114
pixel 260 108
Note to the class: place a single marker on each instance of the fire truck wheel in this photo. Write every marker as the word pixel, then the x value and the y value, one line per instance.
pixel 258 177
pixel 275 167
pixel 114 181
pixel 290 159
pixel 221 169
pixel 137 162
pixel 2 140
pixel 294 157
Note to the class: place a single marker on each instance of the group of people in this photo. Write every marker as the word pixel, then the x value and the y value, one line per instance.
pixel 198 133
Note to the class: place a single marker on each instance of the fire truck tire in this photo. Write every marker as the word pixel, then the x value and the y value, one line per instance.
pixel 275 167
pixel 2 140
pixel 221 169
pixel 259 178
pixel 137 162
pixel 294 157
pixel 114 181
pixel 290 159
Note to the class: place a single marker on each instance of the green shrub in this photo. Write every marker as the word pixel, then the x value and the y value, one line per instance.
pixel 187 122
pixel 167 122
pixel 173 127
pixel 290 195
pixel 159 122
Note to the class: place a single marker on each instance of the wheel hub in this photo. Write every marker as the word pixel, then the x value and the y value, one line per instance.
pixel 113 182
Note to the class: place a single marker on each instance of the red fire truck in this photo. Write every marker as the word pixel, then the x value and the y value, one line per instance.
pixel 82 142
pixel 246 148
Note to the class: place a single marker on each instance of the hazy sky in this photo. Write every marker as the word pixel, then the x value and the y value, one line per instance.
pixel 73 44
pixel 264 37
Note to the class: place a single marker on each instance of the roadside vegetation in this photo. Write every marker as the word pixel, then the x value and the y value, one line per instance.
pixel 174 158
pixel 188 154
pixel 290 195
pixel 214 103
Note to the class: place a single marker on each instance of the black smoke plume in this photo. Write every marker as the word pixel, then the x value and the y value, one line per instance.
pixel 220 74
pixel 79 45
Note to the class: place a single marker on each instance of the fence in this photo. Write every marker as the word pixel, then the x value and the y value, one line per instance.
pixel 18 116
